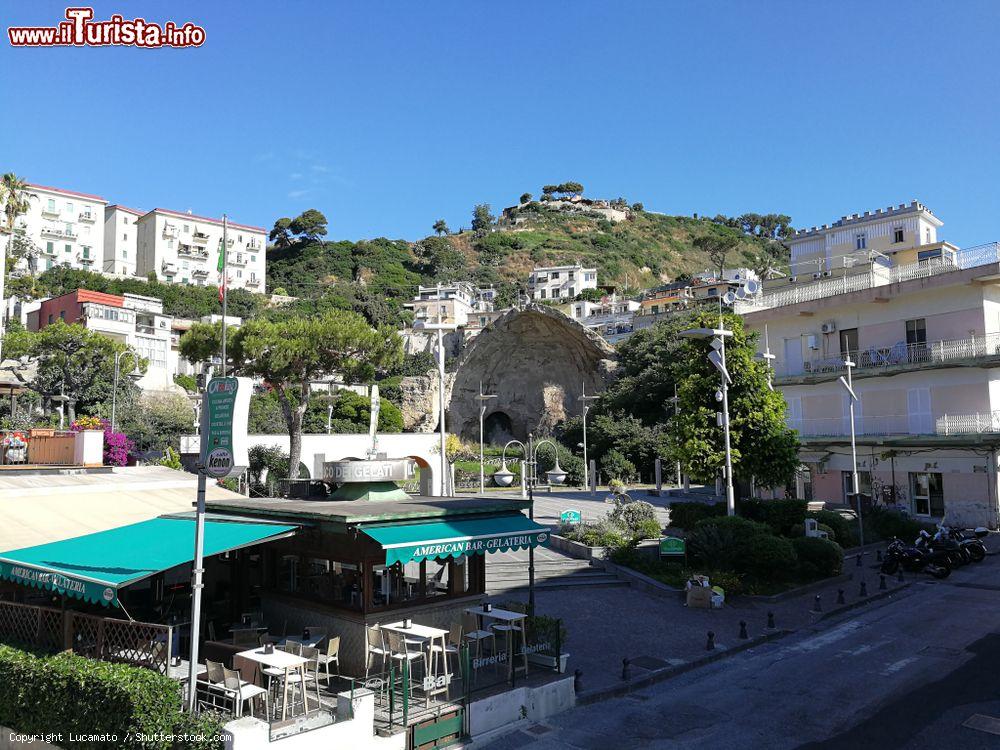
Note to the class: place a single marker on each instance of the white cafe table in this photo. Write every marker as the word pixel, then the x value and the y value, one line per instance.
pixel 314 639
pixel 282 660
pixel 422 633
pixel 512 621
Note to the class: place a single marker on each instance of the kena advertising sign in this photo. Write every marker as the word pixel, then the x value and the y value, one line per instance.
pixel 226 408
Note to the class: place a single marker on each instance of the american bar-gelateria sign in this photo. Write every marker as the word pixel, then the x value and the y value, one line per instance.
pixel 91 591
pixel 463 547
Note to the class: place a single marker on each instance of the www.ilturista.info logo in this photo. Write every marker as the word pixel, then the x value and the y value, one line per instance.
pixel 80 30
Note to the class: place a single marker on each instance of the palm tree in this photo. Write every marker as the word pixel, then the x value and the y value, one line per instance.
pixel 440 227
pixel 13 195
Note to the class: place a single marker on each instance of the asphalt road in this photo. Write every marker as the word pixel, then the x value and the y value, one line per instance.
pixel 906 674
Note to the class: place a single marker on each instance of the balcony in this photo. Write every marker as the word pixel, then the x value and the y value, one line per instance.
pixel 864 425
pixel 187 251
pixel 900 357
pixel 199 238
pixel 968 424
pixel 253 281
pixel 87 217
pixel 168 269
pixel 878 274
pixel 236 259
pixel 200 273
pixel 50 213
pixel 59 233
pixel 170 231
pixel 86 257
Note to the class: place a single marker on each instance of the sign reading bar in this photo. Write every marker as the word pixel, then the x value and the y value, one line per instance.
pixel 225 411
pixel 570 516
pixel 398 470
pixel 672 546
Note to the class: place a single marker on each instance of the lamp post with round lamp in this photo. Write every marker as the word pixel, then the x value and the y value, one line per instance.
pixel 555 476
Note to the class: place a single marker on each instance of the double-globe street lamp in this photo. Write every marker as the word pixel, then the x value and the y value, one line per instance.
pixel 555 476
pixel 483 398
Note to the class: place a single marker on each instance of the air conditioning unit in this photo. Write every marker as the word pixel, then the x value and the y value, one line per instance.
pixel 828 327
pixel 812 342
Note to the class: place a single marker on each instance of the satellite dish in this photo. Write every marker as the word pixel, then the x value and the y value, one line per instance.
pixel 752 286
pixel 741 293
pixel 729 298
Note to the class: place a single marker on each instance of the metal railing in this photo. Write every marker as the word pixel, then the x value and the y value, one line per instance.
pixel 894 424
pixel 902 354
pixel 968 424
pixel 878 274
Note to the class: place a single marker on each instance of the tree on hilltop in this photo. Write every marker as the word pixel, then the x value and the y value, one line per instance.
pixel 482 218
pixel 440 227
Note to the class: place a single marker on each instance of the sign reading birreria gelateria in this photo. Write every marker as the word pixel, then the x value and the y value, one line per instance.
pixel 396 470
pixel 672 546
pixel 226 409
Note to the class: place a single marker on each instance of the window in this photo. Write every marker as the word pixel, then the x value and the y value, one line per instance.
pixel 187 229
pixel 713 292
pixel 48 265
pixel 50 314
pixel 239 238
pixel 541 294
pixel 51 205
pixel 124 253
pixel 253 258
pixel 927 237
pixel 125 236
pixel 49 248
pixel 924 257
pixel 927 491
pixel 170 244
pixel 860 241
pixel 654 309
pixel 68 248
pixel 920 421
pixel 864 485
pixel 62 315
pixel 554 275
pixel 848 342
pixel 916 333
pixel 69 208
pixel 572 292
pixel 897 234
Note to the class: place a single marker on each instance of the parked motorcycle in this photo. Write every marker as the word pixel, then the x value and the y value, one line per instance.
pixel 973 545
pixel 957 556
pixel 915 560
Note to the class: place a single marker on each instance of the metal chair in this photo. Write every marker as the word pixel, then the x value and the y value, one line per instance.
pixel 375 646
pixel 473 634
pixel 450 648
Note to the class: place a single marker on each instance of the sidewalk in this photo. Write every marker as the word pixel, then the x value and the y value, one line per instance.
pixel 655 632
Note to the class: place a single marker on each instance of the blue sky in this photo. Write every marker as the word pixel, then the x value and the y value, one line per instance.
pixel 389 115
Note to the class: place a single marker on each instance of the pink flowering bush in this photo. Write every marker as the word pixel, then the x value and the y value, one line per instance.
pixel 117 445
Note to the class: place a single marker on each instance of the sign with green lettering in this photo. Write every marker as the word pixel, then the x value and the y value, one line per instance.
pixel 672 546
pixel 570 516
pixel 225 411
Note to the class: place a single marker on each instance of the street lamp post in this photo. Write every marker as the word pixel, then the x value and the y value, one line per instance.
pixel 440 327
pixel 676 401
pixel 848 384
pixel 556 476
pixel 483 398
pixel 717 357
pixel 586 408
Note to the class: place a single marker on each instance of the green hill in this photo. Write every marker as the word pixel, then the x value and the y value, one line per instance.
pixel 648 249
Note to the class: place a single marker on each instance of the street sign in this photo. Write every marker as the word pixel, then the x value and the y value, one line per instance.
pixel 226 408
pixel 672 546
pixel 570 516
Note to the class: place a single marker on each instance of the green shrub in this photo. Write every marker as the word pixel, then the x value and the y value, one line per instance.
pixel 64 693
pixel 889 523
pixel 780 515
pixel 615 465
pixel 685 515
pixel 724 542
pixel 818 558
pixel 842 528
pixel 187 382
pixel 634 516
pixel 648 528
pixel 769 558
pixel 601 534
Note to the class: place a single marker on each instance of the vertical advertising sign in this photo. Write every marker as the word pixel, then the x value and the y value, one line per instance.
pixel 226 409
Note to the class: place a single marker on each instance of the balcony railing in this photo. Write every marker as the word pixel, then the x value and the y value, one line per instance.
pixel 966 424
pixel 199 237
pixel 202 272
pixel 68 234
pixel 192 252
pixel 877 275
pixel 168 269
pixel 50 212
pixel 87 216
pixel 902 355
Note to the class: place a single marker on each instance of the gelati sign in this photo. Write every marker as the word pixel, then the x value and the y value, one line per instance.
pixel 225 411
pixel 398 470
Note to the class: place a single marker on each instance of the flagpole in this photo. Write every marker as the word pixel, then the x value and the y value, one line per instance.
pixel 223 286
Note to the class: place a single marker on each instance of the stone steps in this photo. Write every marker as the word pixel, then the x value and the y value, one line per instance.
pixel 505 576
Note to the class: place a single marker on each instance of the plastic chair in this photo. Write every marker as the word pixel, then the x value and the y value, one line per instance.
pixel 375 646
pixel 470 624
pixel 451 647
pixel 331 655
pixel 243 691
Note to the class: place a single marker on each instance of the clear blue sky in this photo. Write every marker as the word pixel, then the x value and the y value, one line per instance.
pixel 389 115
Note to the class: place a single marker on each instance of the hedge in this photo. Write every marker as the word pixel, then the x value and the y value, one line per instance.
pixel 65 693
pixel 780 515
pixel 685 515
pixel 842 528
pixel 818 558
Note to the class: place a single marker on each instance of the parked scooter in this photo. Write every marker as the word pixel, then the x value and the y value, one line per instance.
pixel 915 560
pixel 973 545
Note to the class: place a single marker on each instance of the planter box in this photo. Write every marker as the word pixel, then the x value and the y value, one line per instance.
pixel 577 549
pixel 544 660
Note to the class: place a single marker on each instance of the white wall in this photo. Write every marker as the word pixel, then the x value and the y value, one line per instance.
pixel 64 214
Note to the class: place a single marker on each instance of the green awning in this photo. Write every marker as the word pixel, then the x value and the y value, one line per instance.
pixel 457 538
pixel 95 566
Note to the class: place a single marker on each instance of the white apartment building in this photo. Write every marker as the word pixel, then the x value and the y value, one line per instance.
pixel 924 334
pixel 183 248
pixel 561 282
pixel 612 317
pixel 65 227
pixel 460 303
pixel 121 230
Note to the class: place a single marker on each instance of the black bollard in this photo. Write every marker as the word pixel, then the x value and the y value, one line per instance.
pixel 578 681
pixel 859 563
pixel 899 576
pixel 881 583
pixel 770 621
pixel 626 670
pixel 817 604
pixel 840 596
pixel 878 555
pixel 743 630
pixel 864 589
pixel 710 646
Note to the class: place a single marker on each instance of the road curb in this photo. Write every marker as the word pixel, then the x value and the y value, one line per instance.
pixel 862 602
pixel 586 697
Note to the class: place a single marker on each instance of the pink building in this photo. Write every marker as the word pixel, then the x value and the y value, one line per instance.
pixel 924 331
